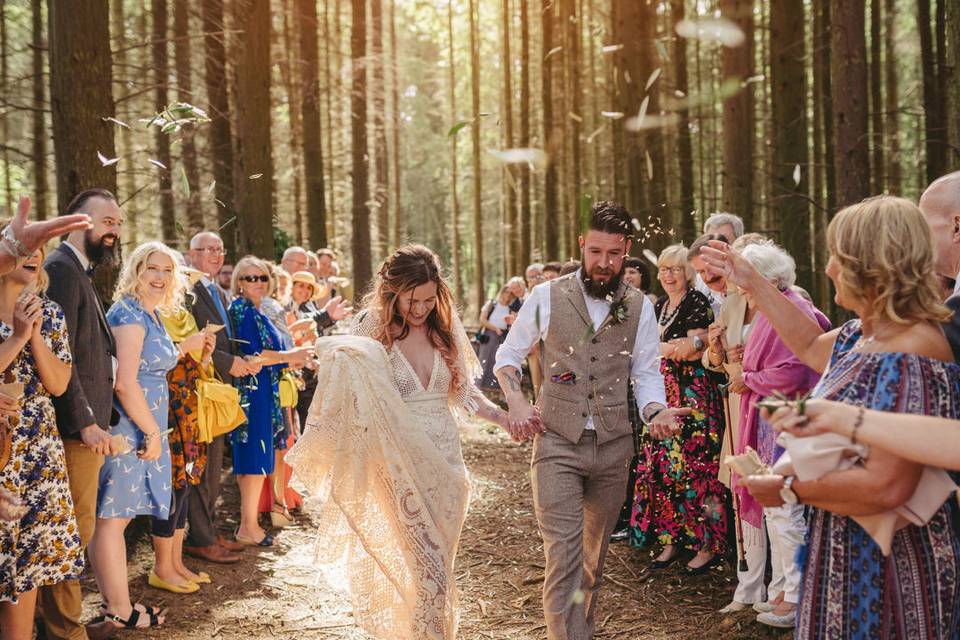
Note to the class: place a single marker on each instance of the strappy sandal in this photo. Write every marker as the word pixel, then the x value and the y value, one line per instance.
pixel 153 615
pixel 280 517
pixel 267 540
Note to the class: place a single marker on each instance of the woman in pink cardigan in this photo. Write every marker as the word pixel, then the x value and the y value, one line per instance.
pixel 769 367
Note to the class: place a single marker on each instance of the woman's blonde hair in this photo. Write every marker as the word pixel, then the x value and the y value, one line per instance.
pixel 884 249
pixel 676 254
pixel 244 263
pixel 128 284
pixel 43 280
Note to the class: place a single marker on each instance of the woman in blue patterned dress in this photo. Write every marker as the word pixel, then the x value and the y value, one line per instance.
pixel 265 431
pixel 41 546
pixel 893 358
pixel 138 482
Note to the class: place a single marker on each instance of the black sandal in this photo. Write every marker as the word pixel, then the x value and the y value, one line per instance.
pixel 130 623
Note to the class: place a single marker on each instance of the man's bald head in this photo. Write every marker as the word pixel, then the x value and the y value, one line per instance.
pixel 940 205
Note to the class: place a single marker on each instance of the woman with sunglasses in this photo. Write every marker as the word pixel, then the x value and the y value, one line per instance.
pixel 254 442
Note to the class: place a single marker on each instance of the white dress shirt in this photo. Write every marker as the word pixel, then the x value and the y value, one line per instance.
pixel 533 323
pixel 81 256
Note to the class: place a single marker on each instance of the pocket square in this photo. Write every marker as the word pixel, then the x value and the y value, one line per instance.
pixel 567 377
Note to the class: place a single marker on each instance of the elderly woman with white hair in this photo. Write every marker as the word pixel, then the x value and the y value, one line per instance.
pixel 770 367
pixel 679 499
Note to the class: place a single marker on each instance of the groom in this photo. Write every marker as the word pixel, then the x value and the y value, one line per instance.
pixel 597 334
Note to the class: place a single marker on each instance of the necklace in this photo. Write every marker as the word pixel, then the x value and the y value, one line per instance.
pixel 664 320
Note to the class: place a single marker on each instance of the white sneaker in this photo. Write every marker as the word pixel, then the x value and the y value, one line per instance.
pixel 764 607
pixel 771 619
pixel 734 607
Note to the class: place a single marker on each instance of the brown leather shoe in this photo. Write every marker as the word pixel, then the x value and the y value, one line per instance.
pixel 100 630
pixel 229 545
pixel 212 553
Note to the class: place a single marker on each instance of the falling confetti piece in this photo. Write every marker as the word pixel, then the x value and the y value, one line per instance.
pixel 612 48
pixel 721 30
pixel 653 78
pixel 796 175
pixel 255 176
pixel 105 161
pixel 613 115
pixel 120 123
pixel 157 163
pixel 651 256
pixel 656 121
pixel 534 157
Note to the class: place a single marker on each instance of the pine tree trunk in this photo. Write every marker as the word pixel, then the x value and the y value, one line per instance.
pixel 220 147
pixel 848 72
pixel 381 183
pixel 360 243
pixel 330 90
pixel 511 231
pixel 790 161
pixel 397 235
pixel 454 197
pixel 291 73
pixel 4 114
pixel 161 73
pixel 39 125
pixel 822 71
pixel 526 212
pixel 952 82
pixel 309 66
pixel 817 165
pixel 478 275
pixel 570 20
pixel 80 96
pixel 933 107
pixel 892 100
pixel 876 98
pixel 738 121
pixel 551 144
pixel 190 167
pixel 255 215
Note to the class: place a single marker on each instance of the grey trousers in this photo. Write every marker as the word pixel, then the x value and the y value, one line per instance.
pixel 578 490
pixel 201 513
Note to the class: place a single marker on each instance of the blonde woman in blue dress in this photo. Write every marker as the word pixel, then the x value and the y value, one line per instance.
pixel 138 482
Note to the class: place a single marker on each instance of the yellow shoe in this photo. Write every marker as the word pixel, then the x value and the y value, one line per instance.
pixel 202 578
pixel 157 583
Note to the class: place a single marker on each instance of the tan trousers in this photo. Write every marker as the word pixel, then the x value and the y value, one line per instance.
pixel 60 604
pixel 578 490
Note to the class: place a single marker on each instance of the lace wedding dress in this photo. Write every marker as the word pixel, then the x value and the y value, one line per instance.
pixel 382 452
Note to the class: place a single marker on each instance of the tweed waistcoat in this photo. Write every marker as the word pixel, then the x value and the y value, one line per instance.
pixel 598 359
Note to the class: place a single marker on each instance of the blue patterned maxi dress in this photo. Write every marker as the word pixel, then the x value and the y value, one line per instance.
pixel 849 589
pixel 130 486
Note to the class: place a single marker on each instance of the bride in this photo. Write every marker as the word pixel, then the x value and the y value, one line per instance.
pixel 381 450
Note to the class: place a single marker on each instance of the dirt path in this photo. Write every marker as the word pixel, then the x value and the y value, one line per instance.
pixel 274 594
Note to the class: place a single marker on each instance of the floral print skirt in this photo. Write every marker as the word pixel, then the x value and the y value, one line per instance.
pixel 678 498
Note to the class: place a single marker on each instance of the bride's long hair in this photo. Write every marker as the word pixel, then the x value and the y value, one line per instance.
pixel 407 268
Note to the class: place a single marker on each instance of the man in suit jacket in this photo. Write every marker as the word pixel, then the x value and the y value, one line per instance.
pixel 85 408
pixel 209 306
pixel 940 205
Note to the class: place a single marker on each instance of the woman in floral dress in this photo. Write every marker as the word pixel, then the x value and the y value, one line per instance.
pixel 42 546
pixel 679 499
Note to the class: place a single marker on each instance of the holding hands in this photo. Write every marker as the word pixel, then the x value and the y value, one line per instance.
pixel 524 421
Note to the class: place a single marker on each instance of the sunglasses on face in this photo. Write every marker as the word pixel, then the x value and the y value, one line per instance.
pixel 255 278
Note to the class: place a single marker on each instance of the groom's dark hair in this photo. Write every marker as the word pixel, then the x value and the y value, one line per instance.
pixel 611 217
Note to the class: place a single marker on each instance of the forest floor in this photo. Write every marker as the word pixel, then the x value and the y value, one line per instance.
pixel 274 593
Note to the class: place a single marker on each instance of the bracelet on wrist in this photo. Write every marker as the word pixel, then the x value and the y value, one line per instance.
pixel 857 423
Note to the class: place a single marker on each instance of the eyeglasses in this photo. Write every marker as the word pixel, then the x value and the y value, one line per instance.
pixel 674 270
pixel 255 278
pixel 213 251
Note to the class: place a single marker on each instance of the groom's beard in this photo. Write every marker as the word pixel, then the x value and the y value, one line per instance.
pixel 597 289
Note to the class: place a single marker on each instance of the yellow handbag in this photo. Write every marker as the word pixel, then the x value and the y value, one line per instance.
pixel 289 389
pixel 218 408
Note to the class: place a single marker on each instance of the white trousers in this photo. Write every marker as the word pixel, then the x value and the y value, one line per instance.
pixel 786 528
pixel 750 582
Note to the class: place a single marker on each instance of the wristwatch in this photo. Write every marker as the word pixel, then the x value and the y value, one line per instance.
pixel 698 343
pixel 787 493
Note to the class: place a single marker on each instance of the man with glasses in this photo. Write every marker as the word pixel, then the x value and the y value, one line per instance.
pixel 209 306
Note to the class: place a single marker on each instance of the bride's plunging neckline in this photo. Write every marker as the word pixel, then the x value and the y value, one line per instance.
pixel 416 376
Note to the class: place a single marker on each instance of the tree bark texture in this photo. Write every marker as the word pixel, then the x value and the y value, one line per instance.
pixel 313 168
pixel 360 242
pixel 848 71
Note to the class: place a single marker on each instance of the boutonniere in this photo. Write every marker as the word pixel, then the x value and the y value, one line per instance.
pixel 618 309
